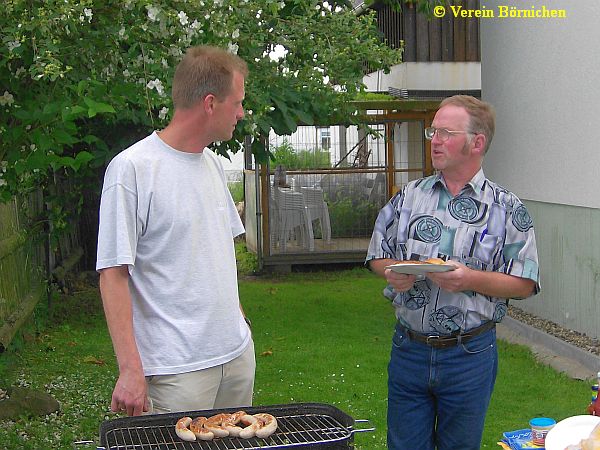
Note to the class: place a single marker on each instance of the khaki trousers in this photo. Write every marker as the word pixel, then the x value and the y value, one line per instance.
pixel 226 386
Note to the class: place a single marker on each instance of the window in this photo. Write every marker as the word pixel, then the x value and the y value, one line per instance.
pixel 324 136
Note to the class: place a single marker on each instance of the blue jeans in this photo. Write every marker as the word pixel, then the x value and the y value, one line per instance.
pixel 438 398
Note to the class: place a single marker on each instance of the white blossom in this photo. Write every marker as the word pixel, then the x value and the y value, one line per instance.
pixel 156 84
pixel 126 73
pixel 152 12
pixel 235 34
pixel 87 13
pixel 195 25
pixel 7 99
pixel 12 45
pixel 183 18
pixel 175 51
pixel 122 32
pixel 163 113
pixel 233 48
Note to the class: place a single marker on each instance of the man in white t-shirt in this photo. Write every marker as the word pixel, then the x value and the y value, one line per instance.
pixel 166 256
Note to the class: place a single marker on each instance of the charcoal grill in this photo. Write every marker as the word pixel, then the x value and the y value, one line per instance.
pixel 300 425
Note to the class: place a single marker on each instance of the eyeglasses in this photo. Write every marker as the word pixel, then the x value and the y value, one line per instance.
pixel 443 134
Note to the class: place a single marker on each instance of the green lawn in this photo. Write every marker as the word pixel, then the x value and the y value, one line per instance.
pixel 319 337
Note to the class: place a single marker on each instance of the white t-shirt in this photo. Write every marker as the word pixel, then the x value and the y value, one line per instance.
pixel 169 216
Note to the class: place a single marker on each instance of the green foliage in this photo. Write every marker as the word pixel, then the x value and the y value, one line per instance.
pixel 423 6
pixel 352 218
pixel 247 263
pixel 236 189
pixel 82 79
pixel 293 159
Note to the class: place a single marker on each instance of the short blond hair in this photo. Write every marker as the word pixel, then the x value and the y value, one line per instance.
pixel 482 116
pixel 205 70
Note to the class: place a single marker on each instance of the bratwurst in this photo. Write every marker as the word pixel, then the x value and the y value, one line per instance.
pixel 239 424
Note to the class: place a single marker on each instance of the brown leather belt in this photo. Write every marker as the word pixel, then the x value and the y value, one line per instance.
pixel 441 341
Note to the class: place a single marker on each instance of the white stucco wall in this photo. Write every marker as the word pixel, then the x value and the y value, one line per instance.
pixel 543 76
pixel 424 75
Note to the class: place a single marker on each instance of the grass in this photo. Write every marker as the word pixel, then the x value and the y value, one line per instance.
pixel 319 337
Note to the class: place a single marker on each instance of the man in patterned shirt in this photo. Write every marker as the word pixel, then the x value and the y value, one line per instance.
pixel 444 360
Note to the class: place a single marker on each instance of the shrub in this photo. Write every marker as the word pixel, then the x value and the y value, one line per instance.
pixel 236 189
pixel 352 218
pixel 291 159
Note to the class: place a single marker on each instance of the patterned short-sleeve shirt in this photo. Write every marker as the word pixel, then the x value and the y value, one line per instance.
pixel 484 227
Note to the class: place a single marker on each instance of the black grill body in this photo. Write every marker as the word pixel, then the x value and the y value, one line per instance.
pixel 302 425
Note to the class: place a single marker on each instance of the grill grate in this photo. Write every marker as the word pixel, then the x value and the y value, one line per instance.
pixel 293 430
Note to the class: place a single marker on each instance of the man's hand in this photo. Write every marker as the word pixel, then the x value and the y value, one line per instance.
pixel 399 281
pixel 456 280
pixel 492 284
pixel 130 394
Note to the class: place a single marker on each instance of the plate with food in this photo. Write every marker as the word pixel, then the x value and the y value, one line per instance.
pixel 421 267
pixel 574 433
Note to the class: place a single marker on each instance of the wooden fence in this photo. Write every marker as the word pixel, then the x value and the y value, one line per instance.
pixel 21 277
pixel 29 266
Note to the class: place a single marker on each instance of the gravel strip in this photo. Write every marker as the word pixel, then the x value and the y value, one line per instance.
pixel 576 338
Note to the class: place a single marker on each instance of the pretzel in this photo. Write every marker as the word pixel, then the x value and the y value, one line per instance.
pixel 214 425
pixel 197 427
pixel 269 425
pixel 253 424
pixel 182 430
pixel 231 423
pixel 261 425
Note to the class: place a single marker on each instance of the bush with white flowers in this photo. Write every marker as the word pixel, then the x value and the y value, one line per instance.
pixel 81 79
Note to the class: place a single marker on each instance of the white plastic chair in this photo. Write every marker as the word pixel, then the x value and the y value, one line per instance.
pixel 294 219
pixel 318 209
pixel 274 218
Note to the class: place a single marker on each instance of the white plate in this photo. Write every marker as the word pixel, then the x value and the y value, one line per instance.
pixel 570 431
pixel 419 269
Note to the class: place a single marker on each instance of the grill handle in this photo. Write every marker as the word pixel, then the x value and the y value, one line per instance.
pixel 362 430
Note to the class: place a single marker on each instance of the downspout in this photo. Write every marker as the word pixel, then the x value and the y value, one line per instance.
pixel 259 249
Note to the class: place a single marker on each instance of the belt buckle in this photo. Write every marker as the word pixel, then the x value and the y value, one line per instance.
pixel 432 340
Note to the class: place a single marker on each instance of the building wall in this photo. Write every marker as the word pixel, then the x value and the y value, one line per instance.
pixel 427 76
pixel 568 240
pixel 541 75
